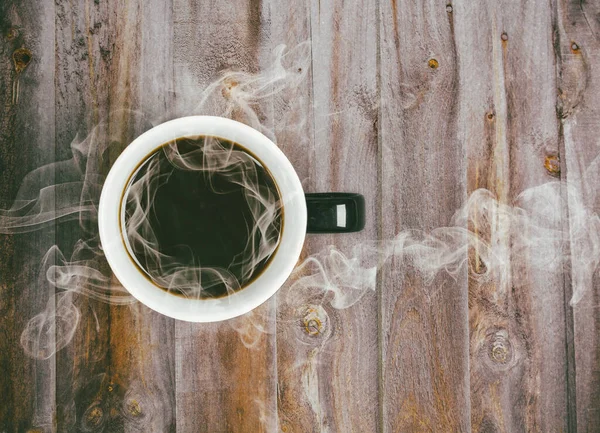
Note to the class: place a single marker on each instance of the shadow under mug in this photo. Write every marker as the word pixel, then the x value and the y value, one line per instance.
pixel 312 213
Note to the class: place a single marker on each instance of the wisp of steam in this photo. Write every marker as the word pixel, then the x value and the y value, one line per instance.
pixel 224 167
pixel 469 241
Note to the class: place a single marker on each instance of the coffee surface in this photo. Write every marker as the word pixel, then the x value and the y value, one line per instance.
pixel 203 217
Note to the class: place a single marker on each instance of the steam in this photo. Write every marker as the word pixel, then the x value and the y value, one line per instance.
pixel 533 225
pixel 236 95
pixel 223 167
pixel 242 96
pixel 53 328
pixel 42 202
pixel 491 240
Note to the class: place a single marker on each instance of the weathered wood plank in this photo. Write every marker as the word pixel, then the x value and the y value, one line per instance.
pixel 508 125
pixel 327 356
pixel 293 124
pixel 80 76
pixel 225 372
pixel 114 63
pixel 143 341
pixel 489 96
pixel 577 43
pixel 424 334
pixel 26 142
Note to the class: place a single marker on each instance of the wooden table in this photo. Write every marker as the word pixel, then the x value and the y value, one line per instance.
pixel 416 105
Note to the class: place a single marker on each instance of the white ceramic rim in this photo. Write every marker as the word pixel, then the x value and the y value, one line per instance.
pixel 111 219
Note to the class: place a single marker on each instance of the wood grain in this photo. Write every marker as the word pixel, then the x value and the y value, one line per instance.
pixel 508 124
pixel 27 142
pixel 416 105
pixel 327 357
pixel 113 61
pixel 294 133
pixel 81 72
pixel 576 44
pixel 225 372
pixel 424 334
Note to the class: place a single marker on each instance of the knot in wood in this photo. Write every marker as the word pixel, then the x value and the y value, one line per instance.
pixel 480 267
pixel 133 407
pixel 11 33
pixel 552 165
pixel 21 58
pixel 228 87
pixel 314 323
pixel 93 416
pixel 500 348
pixel 499 352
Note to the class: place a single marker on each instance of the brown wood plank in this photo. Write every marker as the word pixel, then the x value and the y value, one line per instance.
pixel 26 143
pixel 225 372
pixel 114 64
pixel 81 83
pixel 327 356
pixel 424 334
pixel 143 341
pixel 577 45
pixel 508 124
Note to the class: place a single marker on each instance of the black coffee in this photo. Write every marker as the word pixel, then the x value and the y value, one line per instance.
pixel 203 217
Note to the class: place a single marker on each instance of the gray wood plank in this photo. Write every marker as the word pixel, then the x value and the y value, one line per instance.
pixel 114 81
pixel 327 356
pixel 576 45
pixel 509 128
pixel 482 115
pixel 26 143
pixel 294 132
pixel 424 333
pixel 226 378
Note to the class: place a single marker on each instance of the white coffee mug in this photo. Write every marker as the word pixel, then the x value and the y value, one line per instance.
pixel 344 210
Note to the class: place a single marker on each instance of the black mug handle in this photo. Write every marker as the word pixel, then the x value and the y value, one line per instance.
pixel 335 212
